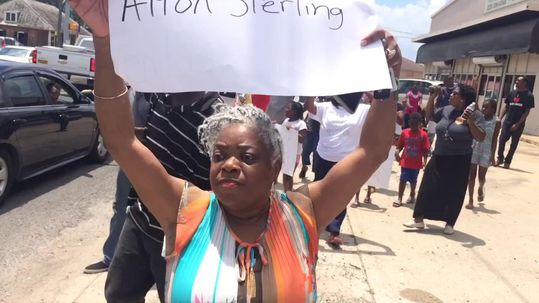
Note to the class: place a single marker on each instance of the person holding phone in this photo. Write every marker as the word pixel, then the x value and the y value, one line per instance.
pixel 443 187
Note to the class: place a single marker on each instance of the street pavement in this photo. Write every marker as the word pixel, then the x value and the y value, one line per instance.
pixel 54 225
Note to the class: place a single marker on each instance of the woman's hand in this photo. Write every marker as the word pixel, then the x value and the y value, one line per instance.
pixel 393 52
pixel 469 116
pixel 95 13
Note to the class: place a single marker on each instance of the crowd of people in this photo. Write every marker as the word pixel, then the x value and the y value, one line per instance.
pixel 197 209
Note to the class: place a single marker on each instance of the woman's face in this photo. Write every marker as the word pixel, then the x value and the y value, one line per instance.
pixel 456 99
pixel 289 112
pixel 241 172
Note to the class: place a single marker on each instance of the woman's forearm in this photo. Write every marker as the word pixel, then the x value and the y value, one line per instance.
pixel 115 116
pixel 378 130
pixel 159 191
pixel 477 133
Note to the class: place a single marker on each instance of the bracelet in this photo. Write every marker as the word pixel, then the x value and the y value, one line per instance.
pixel 111 98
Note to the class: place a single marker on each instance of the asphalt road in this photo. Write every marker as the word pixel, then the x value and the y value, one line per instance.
pixel 40 209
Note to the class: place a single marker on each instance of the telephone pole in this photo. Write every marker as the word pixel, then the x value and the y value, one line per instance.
pixel 59 28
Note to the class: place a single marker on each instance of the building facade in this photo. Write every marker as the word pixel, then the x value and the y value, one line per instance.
pixel 486 44
pixel 31 22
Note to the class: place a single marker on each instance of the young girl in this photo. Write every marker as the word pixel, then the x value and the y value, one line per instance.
pixel 483 152
pixel 294 120
pixel 413 103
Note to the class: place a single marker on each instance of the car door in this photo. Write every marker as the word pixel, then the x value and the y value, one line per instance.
pixel 76 117
pixel 32 122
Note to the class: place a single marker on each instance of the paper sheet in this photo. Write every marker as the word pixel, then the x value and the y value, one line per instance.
pixel 380 178
pixel 281 47
pixel 290 148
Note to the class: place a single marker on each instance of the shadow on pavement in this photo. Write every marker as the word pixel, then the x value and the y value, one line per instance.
pixel 361 245
pixel 369 207
pixel 467 240
pixel 520 170
pixel 387 192
pixel 482 209
pixel 27 190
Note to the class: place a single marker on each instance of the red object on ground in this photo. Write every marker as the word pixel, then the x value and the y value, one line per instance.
pixel 261 101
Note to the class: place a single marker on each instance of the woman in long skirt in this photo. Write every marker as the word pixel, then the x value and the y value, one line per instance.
pixel 443 188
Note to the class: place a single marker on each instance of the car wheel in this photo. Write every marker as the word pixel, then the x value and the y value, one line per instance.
pixel 99 152
pixel 7 175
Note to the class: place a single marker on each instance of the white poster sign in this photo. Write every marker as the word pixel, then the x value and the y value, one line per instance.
pixel 290 148
pixel 274 47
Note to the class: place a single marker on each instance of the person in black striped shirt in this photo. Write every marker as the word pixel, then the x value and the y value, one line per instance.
pixel 171 135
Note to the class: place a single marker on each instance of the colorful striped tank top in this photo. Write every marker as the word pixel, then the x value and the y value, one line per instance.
pixel 211 264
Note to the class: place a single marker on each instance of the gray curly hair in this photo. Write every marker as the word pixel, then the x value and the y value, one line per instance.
pixel 248 115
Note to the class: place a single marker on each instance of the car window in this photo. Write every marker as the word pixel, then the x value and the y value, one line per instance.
pixel 59 92
pixel 14 52
pixel 23 91
pixel 88 44
pixel 424 87
pixel 404 86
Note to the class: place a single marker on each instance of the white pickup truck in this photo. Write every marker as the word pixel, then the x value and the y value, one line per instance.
pixel 75 62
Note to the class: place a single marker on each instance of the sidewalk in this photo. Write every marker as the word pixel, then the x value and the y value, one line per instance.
pixel 492 257
pixel 530 139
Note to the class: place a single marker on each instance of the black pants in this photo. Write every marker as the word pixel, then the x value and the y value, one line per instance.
pixel 321 169
pixel 504 137
pixel 137 265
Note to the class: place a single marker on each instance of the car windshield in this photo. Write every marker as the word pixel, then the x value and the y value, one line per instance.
pixel 13 52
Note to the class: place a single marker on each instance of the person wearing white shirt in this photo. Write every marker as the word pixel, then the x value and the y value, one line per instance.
pixel 340 131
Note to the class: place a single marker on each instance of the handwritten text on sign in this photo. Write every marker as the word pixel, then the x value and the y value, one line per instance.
pixel 281 47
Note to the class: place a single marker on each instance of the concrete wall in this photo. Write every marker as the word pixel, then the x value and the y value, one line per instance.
pixel 457 12
pixel 460 13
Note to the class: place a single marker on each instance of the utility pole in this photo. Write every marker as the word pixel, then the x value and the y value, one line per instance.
pixel 59 28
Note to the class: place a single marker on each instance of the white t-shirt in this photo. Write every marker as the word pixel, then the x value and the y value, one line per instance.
pixel 340 131
pixel 298 125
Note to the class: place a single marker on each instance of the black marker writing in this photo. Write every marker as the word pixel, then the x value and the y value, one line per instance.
pixel 135 5
pixel 164 6
pixel 178 4
pixel 337 12
pixel 303 8
pixel 269 3
pixel 244 12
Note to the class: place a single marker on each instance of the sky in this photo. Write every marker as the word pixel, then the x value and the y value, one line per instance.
pixel 407 19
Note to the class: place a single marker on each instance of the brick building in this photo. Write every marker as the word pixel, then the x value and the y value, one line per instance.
pixel 31 22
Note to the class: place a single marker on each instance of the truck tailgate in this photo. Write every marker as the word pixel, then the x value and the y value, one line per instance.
pixel 71 63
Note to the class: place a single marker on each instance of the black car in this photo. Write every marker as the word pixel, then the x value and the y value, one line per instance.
pixel 45 122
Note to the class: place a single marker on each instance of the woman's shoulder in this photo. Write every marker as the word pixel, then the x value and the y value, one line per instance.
pixel 300 199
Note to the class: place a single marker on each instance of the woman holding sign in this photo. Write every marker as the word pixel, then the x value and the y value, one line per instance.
pixel 242 242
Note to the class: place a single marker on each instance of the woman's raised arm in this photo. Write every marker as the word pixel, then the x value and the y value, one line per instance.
pixel 159 191
pixel 333 193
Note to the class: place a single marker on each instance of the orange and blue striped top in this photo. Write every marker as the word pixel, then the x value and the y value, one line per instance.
pixel 211 264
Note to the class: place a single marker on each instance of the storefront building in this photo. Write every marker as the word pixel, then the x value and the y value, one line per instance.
pixel 486 44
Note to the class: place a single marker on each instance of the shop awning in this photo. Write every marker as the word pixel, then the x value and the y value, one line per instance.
pixel 521 37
